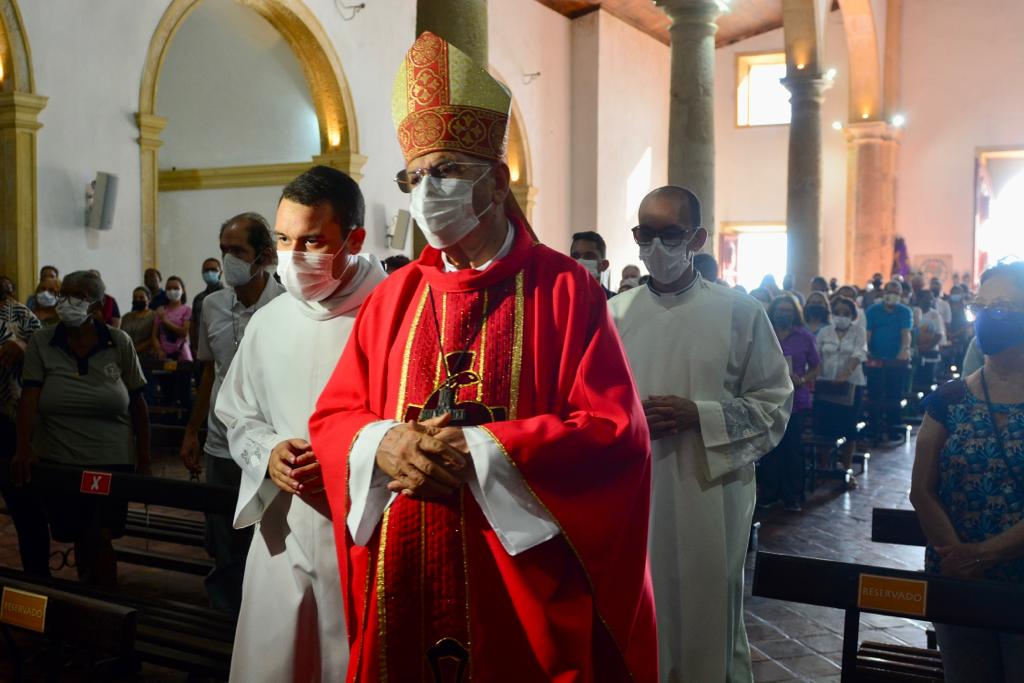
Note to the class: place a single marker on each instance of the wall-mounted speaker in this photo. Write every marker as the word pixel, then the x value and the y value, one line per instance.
pixel 101 197
pixel 398 233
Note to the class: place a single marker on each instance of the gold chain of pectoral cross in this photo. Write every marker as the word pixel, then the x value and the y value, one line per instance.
pixel 447 388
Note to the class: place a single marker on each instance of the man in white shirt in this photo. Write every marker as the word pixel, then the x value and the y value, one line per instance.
pixel 291 626
pixel 248 249
pixel 717 394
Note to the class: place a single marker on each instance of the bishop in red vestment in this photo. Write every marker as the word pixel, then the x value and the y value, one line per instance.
pixel 483 447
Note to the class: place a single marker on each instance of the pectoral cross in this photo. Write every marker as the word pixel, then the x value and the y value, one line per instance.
pixel 446 397
pixel 445 404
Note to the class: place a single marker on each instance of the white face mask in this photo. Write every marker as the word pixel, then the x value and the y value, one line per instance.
pixel 443 208
pixel 666 264
pixel 237 273
pixel 308 276
pixel 891 298
pixel 174 294
pixel 841 322
pixel 593 267
pixel 73 312
pixel 630 282
pixel 46 299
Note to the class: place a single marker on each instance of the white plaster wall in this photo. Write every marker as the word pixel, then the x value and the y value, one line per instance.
pixel 633 104
pixel 751 163
pixel 233 93
pixel 620 93
pixel 190 226
pixel 524 38
pixel 87 58
pixel 962 89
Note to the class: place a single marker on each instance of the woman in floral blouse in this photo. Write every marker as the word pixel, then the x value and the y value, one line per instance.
pixel 968 482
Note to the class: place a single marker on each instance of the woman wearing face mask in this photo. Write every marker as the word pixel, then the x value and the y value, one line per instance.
pixel 172 325
pixel 843 347
pixel 46 302
pixel 968 481
pixel 140 325
pixel 781 474
pixel 173 321
pixel 82 407
pixel 816 312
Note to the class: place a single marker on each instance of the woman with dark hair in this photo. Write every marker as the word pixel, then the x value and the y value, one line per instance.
pixel 781 474
pixel 816 312
pixel 172 323
pixel 173 320
pixel 968 482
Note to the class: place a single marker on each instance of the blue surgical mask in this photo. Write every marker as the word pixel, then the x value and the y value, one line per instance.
pixel 997 332
pixel 211 277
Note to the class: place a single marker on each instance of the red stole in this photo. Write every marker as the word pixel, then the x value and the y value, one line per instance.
pixel 546 375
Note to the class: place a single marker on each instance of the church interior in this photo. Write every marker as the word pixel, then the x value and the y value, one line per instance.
pixel 852 142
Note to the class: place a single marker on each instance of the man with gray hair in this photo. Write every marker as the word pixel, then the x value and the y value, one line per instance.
pixel 248 250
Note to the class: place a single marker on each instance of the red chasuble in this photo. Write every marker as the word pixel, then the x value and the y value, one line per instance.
pixel 547 377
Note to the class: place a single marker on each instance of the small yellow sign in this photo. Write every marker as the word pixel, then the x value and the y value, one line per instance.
pixel 23 609
pixel 170 365
pixel 888 594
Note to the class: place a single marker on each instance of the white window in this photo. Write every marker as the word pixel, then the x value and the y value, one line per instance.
pixel 761 99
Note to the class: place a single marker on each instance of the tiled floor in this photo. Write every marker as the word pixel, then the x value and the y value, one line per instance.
pixel 789 642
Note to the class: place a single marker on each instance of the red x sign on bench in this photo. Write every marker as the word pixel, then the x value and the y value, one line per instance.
pixel 96 483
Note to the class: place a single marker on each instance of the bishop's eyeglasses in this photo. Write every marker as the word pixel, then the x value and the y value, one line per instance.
pixel 407 180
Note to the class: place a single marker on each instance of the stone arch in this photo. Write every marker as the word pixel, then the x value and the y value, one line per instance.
pixel 519 163
pixel 339 139
pixel 865 61
pixel 803 24
pixel 19 108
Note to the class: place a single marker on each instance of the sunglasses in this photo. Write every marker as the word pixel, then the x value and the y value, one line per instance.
pixel 670 236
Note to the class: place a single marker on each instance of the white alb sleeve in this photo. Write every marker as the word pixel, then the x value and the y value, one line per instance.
pixel 367 483
pixel 516 516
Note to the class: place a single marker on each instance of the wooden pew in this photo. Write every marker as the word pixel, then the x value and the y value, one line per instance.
pixel 175 635
pixel 101 628
pixel 137 488
pixel 982 604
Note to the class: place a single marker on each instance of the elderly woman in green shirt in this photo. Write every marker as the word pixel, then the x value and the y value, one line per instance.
pixel 82 406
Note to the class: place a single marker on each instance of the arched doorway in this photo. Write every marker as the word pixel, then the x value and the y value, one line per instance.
pixel 338 136
pixel 19 108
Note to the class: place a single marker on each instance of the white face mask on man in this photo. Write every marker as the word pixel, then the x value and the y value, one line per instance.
pixel 593 267
pixel 310 277
pixel 237 273
pixel 443 209
pixel 73 312
pixel 666 264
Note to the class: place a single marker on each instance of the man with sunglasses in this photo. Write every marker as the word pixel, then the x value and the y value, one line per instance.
pixel 716 395
pixel 481 441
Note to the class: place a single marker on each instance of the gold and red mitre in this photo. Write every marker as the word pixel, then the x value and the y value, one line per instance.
pixel 444 101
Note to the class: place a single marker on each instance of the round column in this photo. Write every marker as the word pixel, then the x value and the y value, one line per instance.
pixel 691 132
pixel 803 195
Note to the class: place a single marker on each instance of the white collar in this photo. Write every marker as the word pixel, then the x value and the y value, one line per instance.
pixel 506 247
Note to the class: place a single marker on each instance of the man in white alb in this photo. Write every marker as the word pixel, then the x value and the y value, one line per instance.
pixel 291 627
pixel 716 393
